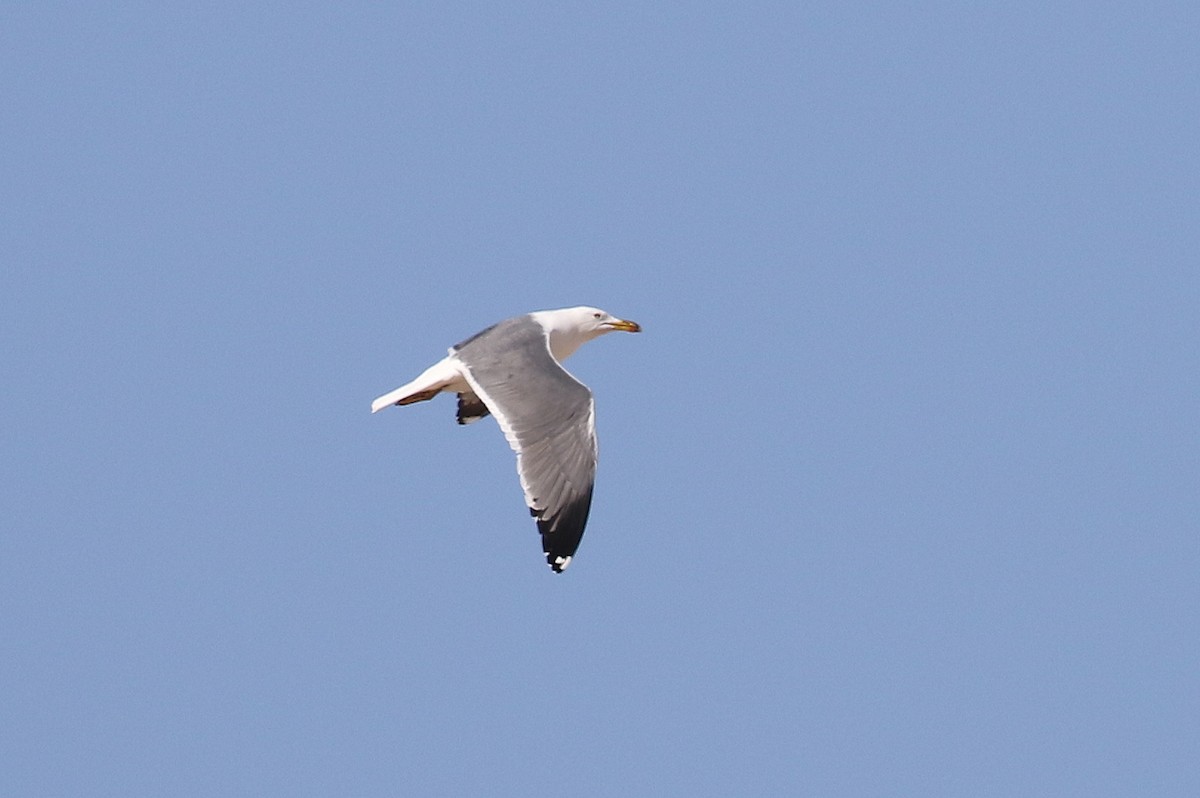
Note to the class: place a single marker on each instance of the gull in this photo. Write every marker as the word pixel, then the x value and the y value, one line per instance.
pixel 513 371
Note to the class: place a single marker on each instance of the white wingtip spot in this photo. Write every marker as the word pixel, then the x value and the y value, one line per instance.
pixel 561 563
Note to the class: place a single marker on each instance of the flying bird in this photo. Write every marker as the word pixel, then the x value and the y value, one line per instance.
pixel 513 371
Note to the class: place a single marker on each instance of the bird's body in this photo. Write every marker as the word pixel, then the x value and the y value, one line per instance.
pixel 513 371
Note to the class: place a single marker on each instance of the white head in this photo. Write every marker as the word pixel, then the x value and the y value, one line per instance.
pixel 570 328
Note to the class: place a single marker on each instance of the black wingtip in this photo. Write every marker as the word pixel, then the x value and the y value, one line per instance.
pixel 562 533
pixel 470 408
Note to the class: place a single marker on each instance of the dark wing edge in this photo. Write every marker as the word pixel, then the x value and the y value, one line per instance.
pixel 562 533
pixel 470 408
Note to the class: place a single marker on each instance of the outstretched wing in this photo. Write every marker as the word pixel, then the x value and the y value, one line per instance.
pixel 548 417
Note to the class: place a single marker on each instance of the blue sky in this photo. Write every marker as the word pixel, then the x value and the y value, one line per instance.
pixel 898 491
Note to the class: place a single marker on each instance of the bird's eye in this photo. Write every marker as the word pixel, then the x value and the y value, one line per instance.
pixel 595 315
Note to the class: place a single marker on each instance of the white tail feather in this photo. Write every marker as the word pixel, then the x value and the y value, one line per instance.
pixel 391 398
pixel 441 376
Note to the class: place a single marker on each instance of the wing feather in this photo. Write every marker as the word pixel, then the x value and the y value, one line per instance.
pixel 548 417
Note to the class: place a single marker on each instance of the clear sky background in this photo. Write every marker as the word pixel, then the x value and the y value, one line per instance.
pixel 899 490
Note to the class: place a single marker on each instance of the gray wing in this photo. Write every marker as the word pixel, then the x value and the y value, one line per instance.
pixel 548 417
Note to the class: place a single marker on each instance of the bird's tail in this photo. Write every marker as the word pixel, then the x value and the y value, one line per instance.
pixel 398 397
pixel 435 379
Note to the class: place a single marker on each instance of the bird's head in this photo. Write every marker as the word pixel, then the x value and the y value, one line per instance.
pixel 569 328
pixel 594 322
